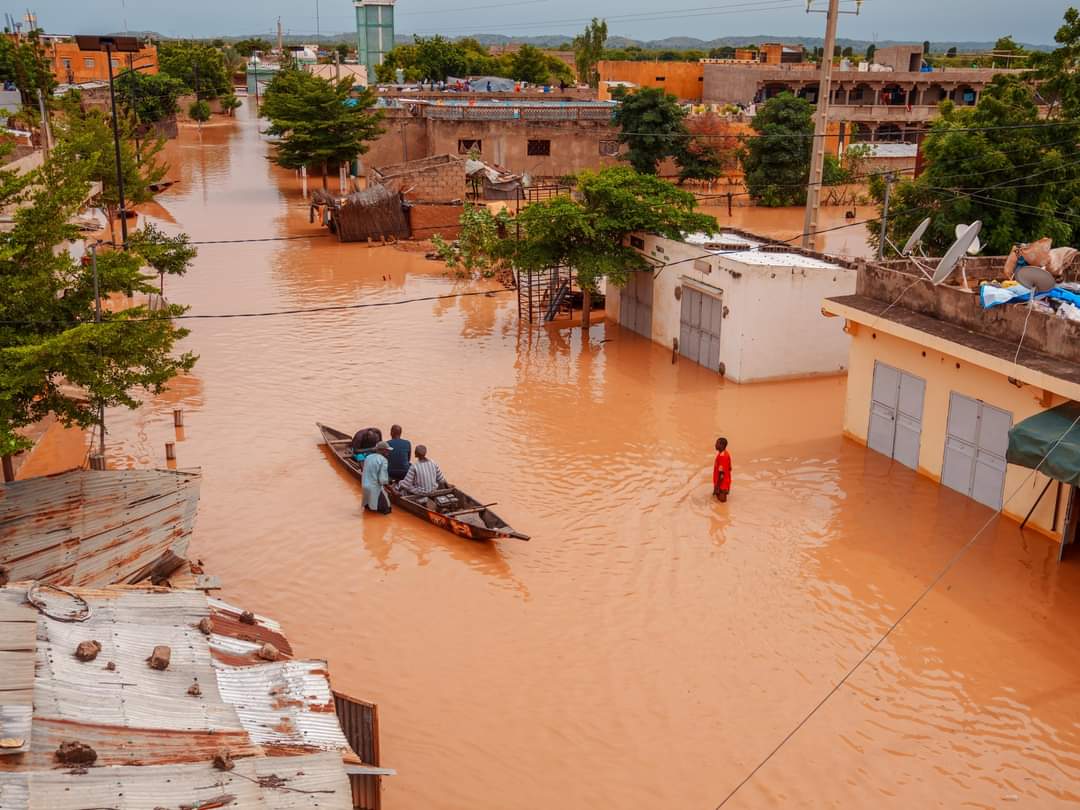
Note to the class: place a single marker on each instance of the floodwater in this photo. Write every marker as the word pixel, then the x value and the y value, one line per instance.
pixel 649 647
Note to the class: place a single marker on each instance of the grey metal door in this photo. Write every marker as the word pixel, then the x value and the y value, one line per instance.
pixel 977 436
pixel 635 303
pixel 896 408
pixel 700 320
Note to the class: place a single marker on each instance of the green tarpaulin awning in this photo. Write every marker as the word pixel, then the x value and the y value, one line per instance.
pixel 1033 438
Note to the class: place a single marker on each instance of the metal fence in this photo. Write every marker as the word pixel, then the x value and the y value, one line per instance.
pixel 360 722
pixel 464 113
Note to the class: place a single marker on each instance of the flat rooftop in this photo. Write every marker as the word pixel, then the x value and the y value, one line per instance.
pixel 748 249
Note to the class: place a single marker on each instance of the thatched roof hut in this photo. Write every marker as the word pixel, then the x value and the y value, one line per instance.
pixel 374 213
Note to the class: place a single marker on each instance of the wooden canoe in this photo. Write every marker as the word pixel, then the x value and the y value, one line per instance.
pixel 467 517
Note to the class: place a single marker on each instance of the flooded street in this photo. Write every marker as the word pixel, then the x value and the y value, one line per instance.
pixel 649 647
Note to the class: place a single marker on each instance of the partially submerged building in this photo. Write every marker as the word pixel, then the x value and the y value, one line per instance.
pixel 964 394
pixel 737 304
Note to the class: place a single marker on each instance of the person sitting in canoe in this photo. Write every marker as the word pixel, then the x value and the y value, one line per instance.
pixel 376 476
pixel 424 476
pixel 400 450
pixel 364 442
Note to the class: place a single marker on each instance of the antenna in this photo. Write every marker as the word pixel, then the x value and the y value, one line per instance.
pixel 916 237
pixel 956 252
pixel 1035 279
pixel 976 246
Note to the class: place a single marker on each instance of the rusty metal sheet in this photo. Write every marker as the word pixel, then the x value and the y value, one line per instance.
pixel 309 781
pixel 237 638
pixel 18 631
pixel 14 791
pixel 285 704
pixel 94 528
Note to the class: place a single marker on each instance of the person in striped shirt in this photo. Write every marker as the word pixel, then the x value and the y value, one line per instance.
pixel 423 477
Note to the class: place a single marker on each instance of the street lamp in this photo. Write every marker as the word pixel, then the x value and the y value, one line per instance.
pixel 111 45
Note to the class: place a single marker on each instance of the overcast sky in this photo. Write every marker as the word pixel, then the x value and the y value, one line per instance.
pixel 915 20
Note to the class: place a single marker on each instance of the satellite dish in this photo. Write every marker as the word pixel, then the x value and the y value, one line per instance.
pixel 976 246
pixel 956 252
pixel 916 237
pixel 1035 278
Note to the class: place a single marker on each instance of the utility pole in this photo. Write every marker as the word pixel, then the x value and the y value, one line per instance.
pixel 46 134
pixel 280 38
pixel 97 319
pixel 116 143
pixel 884 217
pixel 318 30
pixel 821 127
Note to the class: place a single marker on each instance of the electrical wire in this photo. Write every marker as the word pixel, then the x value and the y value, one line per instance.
pixel 896 623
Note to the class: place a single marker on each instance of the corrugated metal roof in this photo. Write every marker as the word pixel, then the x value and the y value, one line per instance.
pixel 18 634
pixel 93 528
pixel 153 740
pixel 286 704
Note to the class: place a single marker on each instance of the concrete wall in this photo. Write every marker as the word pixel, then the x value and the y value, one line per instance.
pixel 772 327
pixel 943 374
pixel 440 178
pixel 682 79
pixel 575 145
pixel 900 57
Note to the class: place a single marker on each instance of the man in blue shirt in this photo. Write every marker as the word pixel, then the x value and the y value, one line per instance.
pixel 400 453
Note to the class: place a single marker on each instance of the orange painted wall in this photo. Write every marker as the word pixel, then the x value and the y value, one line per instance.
pixel 73 66
pixel 683 80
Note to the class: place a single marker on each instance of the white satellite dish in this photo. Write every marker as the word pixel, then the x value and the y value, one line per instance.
pixel 956 252
pixel 1036 279
pixel 976 246
pixel 916 237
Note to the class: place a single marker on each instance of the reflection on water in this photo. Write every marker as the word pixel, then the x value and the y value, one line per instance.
pixel 648 646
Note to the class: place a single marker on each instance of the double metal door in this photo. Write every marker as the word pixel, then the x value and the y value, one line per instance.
pixel 699 327
pixel 896 409
pixel 977 437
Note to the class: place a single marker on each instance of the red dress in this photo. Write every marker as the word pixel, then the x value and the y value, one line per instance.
pixel 721 472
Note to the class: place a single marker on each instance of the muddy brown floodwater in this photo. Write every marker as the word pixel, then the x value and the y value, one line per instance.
pixel 649 646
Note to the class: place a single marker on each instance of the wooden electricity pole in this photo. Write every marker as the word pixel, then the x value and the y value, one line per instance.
pixel 821 128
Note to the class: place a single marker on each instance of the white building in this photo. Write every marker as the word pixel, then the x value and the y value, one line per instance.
pixel 737 303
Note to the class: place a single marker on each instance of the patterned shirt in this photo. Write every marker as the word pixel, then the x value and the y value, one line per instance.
pixel 424 477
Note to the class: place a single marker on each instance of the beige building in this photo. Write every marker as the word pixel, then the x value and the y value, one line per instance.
pixel 738 304
pixel 938 383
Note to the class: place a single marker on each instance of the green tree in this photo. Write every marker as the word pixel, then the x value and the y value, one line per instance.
pixel 589 233
pixel 151 97
pixel 435 58
pixel 199 111
pixel 48 339
pixel 926 48
pixel 651 123
pixel 776 161
pixel 530 65
pixel 200 67
pixel 25 63
pixel 88 135
pixel 870 51
pixel 725 52
pixel 1020 180
pixel 588 50
pixel 230 104
pixel 168 255
pixel 343 50
pixel 246 47
pixel 319 122
pixel 951 53
pixel 709 150
pixel 848 51
pixel 1059 71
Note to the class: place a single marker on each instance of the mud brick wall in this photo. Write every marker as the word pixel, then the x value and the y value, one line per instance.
pixel 426 220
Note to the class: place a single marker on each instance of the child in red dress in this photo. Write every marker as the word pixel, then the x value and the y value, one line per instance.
pixel 721 473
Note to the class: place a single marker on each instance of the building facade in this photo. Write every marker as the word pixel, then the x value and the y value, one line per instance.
pixel 542 139
pixel 71 65
pixel 737 304
pixel 374 32
pixel 683 80
pixel 937 383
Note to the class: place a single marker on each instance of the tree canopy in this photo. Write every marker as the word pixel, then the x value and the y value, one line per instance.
pixel 1021 181
pixel 588 50
pixel 24 63
pixel 319 122
pixel 151 97
pixel 650 123
pixel 710 150
pixel 776 161
pixel 200 67
pixel 1059 71
pixel 437 58
pixel 246 47
pixel 48 339
pixel 589 233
